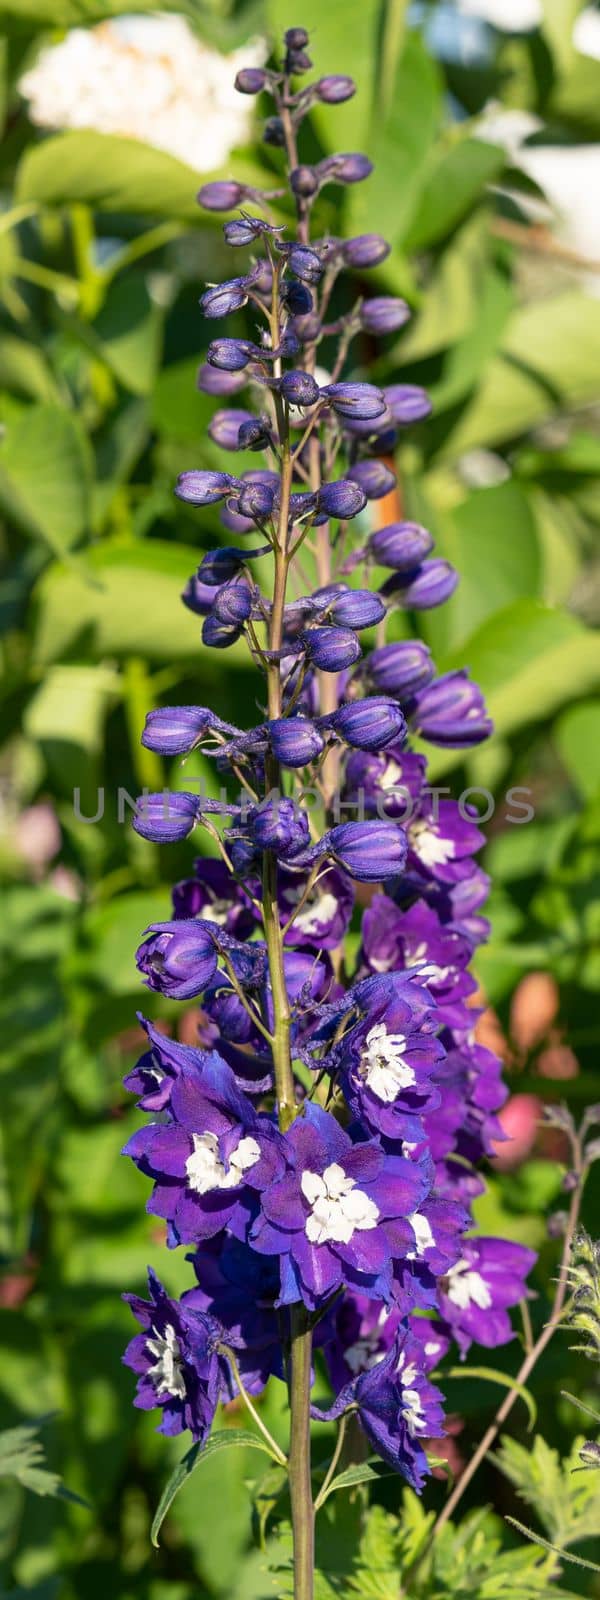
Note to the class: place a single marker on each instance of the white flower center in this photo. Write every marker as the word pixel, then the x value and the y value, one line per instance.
pixel 466 1287
pixel 205 1169
pixel 391 778
pixel 216 911
pixel 423 1235
pixel 338 1208
pixel 364 1354
pixel 415 958
pixel 411 1410
pixel 311 920
pixel 382 1066
pixel 167 1372
pixel 428 846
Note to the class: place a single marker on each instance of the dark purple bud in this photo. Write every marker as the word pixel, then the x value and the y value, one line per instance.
pixel 383 314
pixel 368 851
pixel 334 89
pixel 233 603
pixel 369 724
pixel 302 505
pixel 374 478
pixel 357 609
pixel 203 488
pixel 224 427
pixel 255 434
pixel 401 545
pixel 250 80
pixel 210 381
pixel 375 431
pixel 256 500
pixel 297 61
pixel 308 328
pixel 400 669
pixel 407 402
pixel 305 263
pixel 224 195
pixel 244 230
pixel 173 730
pixel 348 168
pixel 180 958
pixel 431 586
pixel 230 355
pixel 274 133
pixel 361 400
pixel 218 566
pixel 297 297
pixel 197 596
pixel 366 250
pixel 331 649
pixel 344 498
pixel 295 38
pixel 222 298
pixel 219 635
pixel 304 182
pixel 280 826
pixel 299 388
pixel 451 712
pixel 294 741
pixel 166 818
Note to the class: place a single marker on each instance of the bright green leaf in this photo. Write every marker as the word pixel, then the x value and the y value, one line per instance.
pixel 45 475
pixel 195 1458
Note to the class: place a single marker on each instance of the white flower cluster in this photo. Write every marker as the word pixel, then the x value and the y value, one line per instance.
pixel 146 78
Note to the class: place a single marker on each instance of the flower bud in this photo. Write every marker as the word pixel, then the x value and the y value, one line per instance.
pixel 331 649
pixel 304 263
pixel 307 328
pixel 229 355
pixel 224 195
pixel 374 478
pixel 222 298
pixel 218 566
pixel 233 603
pixel 451 712
pixel 341 499
pixel 297 298
pixel 361 400
pixel 179 959
pixel 255 434
pixel 430 586
pixel 256 500
pixel 299 388
pixel 250 80
pixel 400 669
pixel 166 818
pixel 335 89
pixel 589 1453
pixel 368 851
pixel 203 488
pixel 368 724
pixel 197 596
pixel 295 38
pixel 274 133
pixel 210 381
pixel 366 250
pixel 224 427
pixel 219 635
pixel 401 545
pixel 358 608
pixel 244 230
pixel 347 168
pixel 174 730
pixel 383 314
pixel 304 182
pixel 280 826
pixel 407 402
pixel 294 741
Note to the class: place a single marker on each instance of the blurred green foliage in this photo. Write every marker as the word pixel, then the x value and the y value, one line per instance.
pixel 102 254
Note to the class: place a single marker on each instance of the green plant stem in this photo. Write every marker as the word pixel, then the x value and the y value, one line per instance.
pixel 329 1475
pixel 303 1516
pixel 530 1361
pixel 277 1453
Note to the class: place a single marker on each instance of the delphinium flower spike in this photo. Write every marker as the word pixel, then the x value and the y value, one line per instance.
pixel 318 1148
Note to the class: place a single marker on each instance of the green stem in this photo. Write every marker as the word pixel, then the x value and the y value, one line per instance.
pixel 278 1454
pixel 329 1475
pixel 303 1516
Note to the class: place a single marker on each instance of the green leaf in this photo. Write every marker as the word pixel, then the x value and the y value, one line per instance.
pixel 45 475
pixel 22 1457
pixel 491 539
pixel 492 1375
pixel 126 334
pixel 66 717
pixel 454 181
pixel 399 147
pixel 548 362
pixel 341 40
pixel 24 369
pixel 576 736
pixel 115 174
pixel 126 602
pixel 362 1473
pixel 492 302
pixel 559 17
pixel 195 1458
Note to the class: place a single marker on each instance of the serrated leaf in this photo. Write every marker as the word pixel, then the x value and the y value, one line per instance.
pixel 225 1440
pixel 22 1457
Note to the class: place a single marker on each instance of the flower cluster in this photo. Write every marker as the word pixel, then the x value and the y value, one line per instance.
pixel 318 1150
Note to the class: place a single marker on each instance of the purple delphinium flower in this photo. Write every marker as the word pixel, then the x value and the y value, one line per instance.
pixel 478 1290
pixel 177 1360
pixel 334 1217
pixel 398 1407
